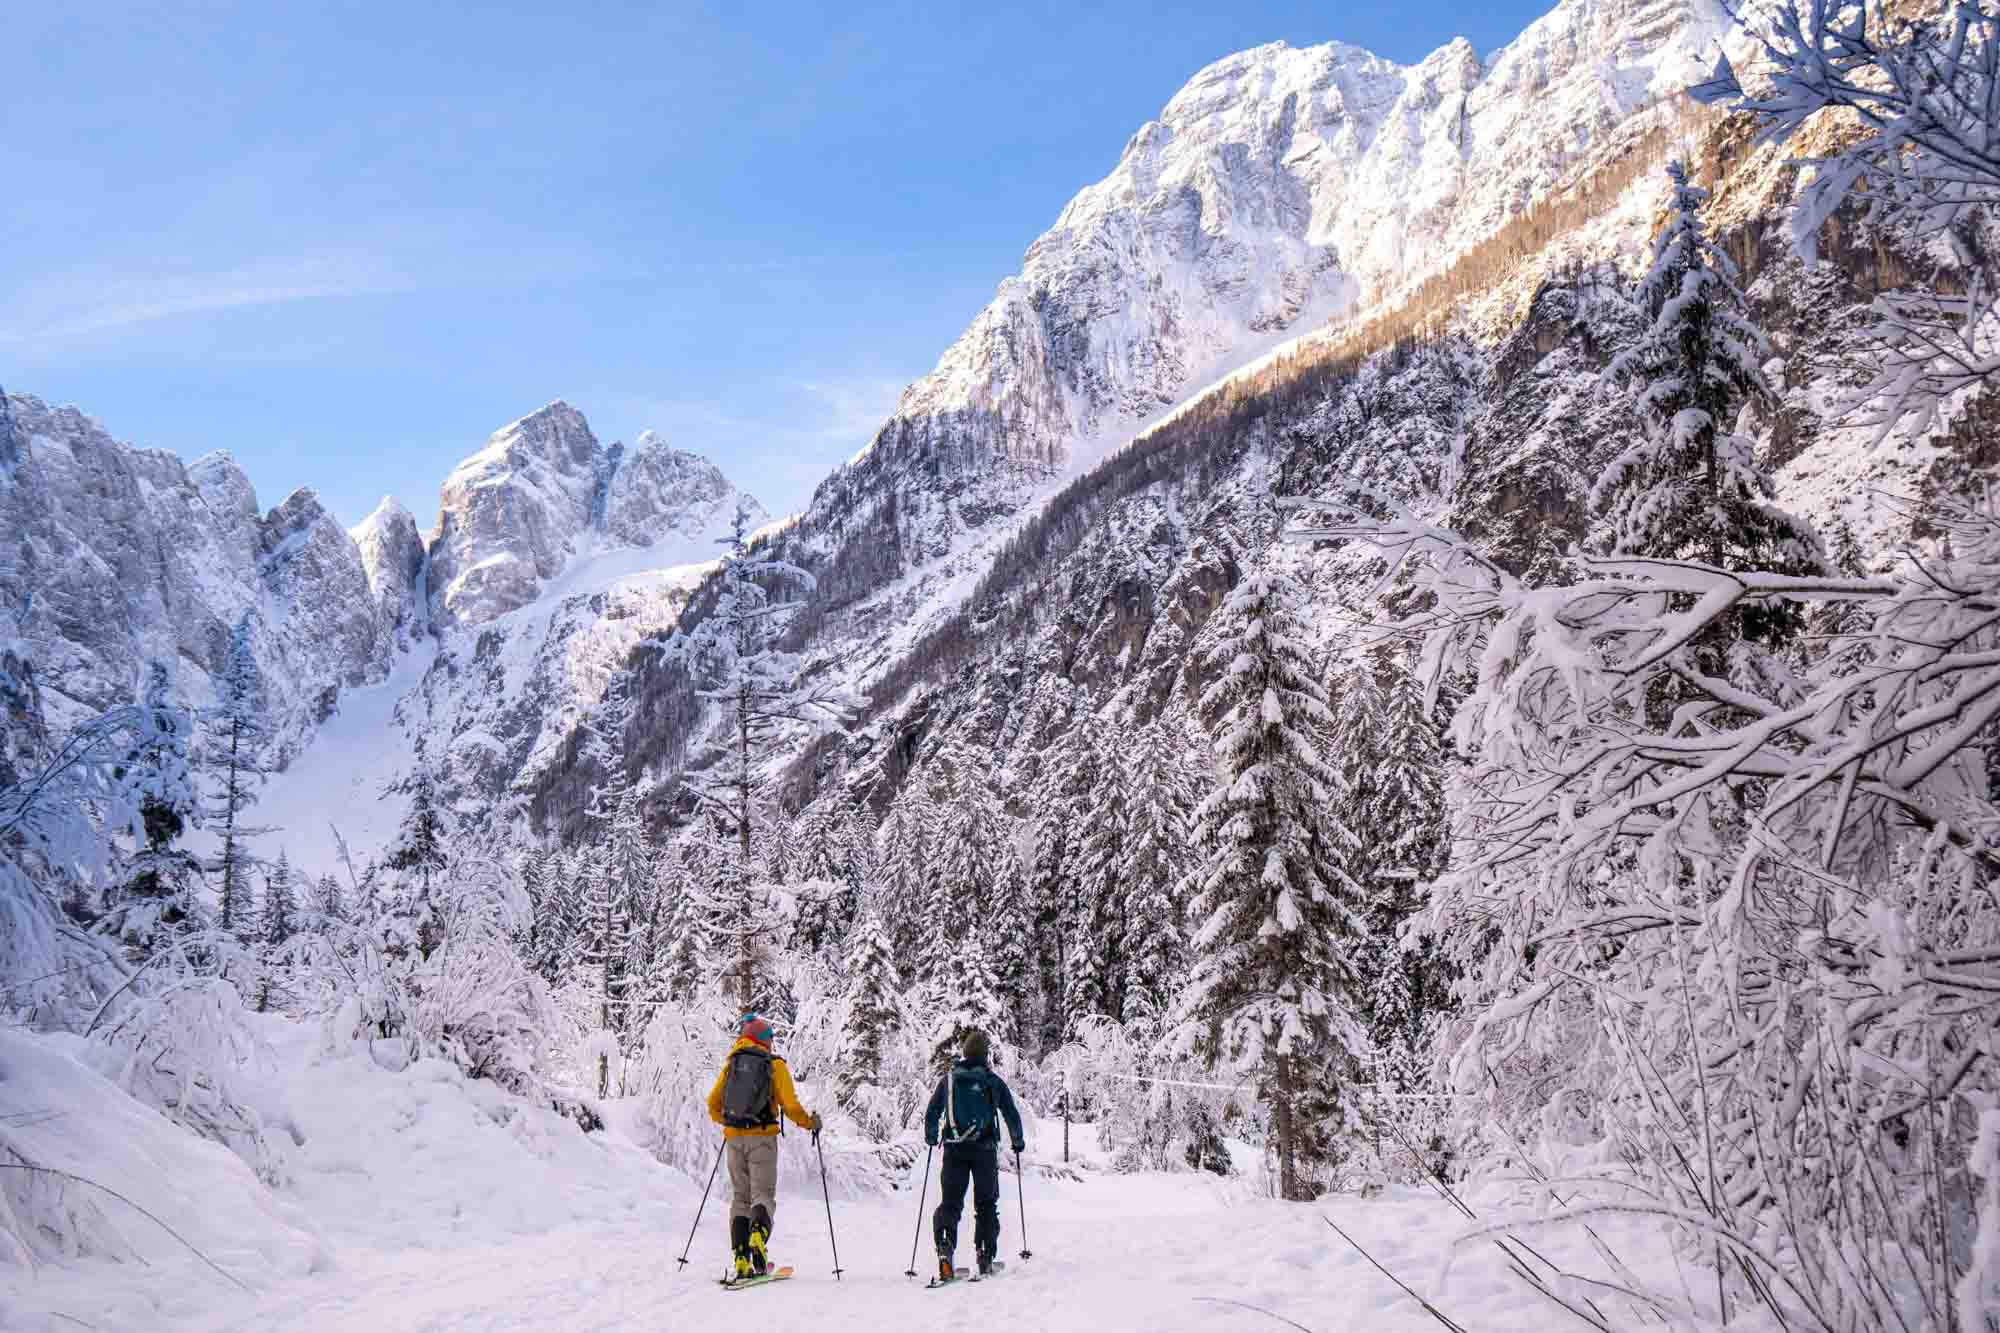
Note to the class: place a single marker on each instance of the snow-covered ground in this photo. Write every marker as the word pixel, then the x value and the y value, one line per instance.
pixel 416 1200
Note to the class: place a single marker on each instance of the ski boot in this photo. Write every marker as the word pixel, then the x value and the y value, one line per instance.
pixel 945 1271
pixel 760 1236
pixel 986 1263
pixel 739 1244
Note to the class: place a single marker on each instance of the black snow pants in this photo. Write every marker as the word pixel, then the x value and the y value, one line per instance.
pixel 981 1168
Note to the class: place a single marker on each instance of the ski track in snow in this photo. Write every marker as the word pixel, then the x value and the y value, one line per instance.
pixel 1139 1252
pixel 421 1201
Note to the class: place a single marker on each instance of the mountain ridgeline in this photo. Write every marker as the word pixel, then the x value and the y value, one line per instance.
pixel 125 556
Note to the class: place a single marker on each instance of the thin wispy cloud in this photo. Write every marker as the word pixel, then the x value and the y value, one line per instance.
pixel 196 297
pixel 132 286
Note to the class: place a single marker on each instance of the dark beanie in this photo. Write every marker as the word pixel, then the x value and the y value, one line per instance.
pixel 975 1045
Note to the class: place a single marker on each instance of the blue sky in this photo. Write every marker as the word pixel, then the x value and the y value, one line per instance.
pixel 347 241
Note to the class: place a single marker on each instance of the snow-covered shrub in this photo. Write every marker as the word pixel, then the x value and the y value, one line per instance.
pixel 1155 1113
pixel 470 999
pixel 1728 947
pixel 678 1058
pixel 62 819
pixel 187 1049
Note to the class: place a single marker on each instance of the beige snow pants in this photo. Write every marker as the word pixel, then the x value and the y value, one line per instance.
pixel 753 1174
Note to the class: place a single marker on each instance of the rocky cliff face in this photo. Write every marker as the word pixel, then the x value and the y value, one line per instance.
pixel 1281 182
pixel 656 492
pixel 509 515
pixel 115 557
pixel 394 558
pixel 544 491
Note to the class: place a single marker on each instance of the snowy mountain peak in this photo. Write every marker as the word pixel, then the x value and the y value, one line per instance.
pixel 657 490
pixel 392 557
pixel 513 515
pixel 1283 184
pixel 509 515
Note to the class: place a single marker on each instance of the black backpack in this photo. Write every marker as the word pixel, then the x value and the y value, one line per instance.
pixel 746 1091
pixel 969 1108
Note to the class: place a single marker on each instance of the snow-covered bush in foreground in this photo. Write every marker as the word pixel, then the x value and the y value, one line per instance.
pixel 188 1050
pixel 61 820
pixel 68 1138
pixel 1729 942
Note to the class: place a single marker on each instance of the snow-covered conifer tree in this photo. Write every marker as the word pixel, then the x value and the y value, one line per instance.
pixel 1405 818
pixel 1007 930
pixel 1156 857
pixel 679 961
pixel 1279 915
pixel 964 859
pixel 156 902
pixel 1059 800
pixel 1357 751
pixel 905 855
pixel 599 958
pixel 1094 977
pixel 760 690
pixel 278 920
pixel 1692 487
pixel 617 818
pixel 968 996
pixel 874 1019
pixel 418 853
pixel 232 754
pixel 327 905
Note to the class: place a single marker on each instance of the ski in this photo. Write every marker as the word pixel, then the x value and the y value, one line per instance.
pixel 775 1275
pixel 965 1275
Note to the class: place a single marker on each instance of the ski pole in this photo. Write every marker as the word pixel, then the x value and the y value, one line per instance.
pixel 829 1208
pixel 704 1202
pixel 1021 1193
pixel 922 1190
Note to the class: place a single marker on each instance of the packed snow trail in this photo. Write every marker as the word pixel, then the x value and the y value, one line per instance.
pixel 415 1200
pixel 1110 1253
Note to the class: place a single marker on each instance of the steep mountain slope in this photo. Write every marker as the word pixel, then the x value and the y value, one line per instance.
pixel 117 557
pixel 1281 186
pixel 555 556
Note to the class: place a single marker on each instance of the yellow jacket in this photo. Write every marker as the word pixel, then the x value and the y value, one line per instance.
pixel 782 1091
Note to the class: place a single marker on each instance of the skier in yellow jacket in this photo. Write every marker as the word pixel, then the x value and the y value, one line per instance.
pixel 752 1088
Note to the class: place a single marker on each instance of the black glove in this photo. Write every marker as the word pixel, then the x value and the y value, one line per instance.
pixel 929 1142
pixel 1019 1148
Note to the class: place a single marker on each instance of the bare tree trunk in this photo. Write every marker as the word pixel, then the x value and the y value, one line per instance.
pixel 1287 1126
pixel 746 971
pixel 229 904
